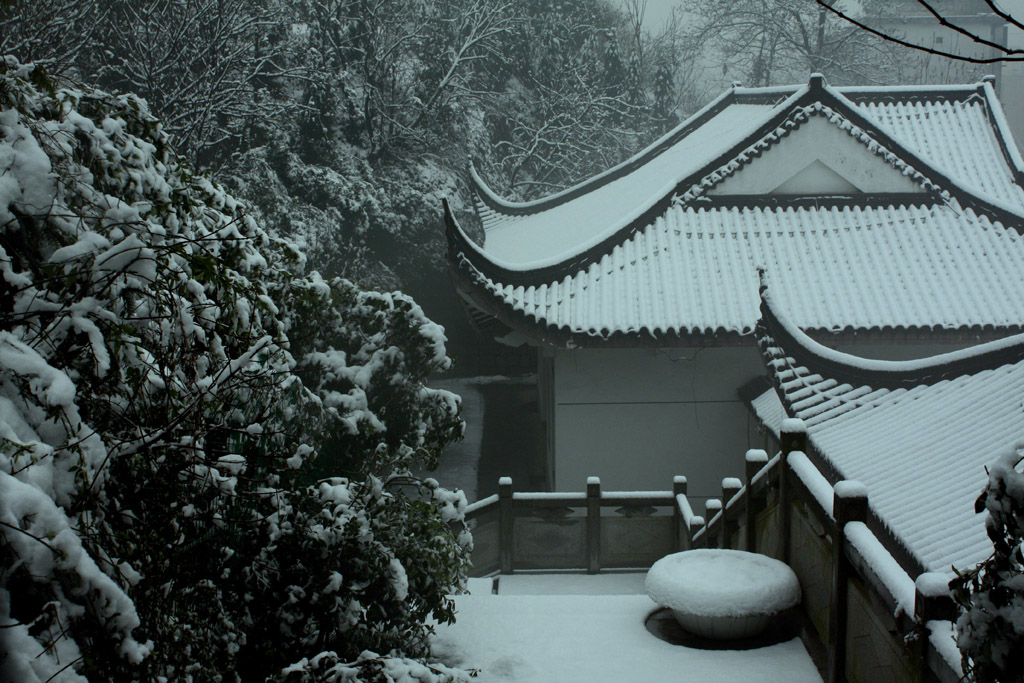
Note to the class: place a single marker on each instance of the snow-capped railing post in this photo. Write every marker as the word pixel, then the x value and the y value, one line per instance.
pixel 505 524
pixel 727 529
pixel 849 504
pixel 678 489
pixel 712 506
pixel 932 600
pixel 695 527
pixel 932 603
pixel 793 437
pixel 593 525
pixel 755 460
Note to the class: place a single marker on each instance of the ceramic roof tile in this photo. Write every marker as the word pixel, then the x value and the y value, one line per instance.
pixel 956 136
pixel 547 235
pixel 948 259
pixel 864 267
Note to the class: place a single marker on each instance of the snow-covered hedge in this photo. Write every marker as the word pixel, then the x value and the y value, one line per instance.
pixel 990 627
pixel 168 375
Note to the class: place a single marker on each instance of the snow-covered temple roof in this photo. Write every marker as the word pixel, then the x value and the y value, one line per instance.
pixel 918 434
pixel 903 206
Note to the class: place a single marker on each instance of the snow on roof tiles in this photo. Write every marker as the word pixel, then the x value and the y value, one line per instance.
pixel 695 270
pixel 618 254
pixel 958 131
pixel 921 448
pixel 956 137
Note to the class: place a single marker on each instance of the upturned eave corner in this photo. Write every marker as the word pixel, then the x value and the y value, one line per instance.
pixel 1001 128
pixel 483 194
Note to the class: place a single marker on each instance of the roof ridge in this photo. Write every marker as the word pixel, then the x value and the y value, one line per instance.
pixel 737 94
pixel 931 178
pixel 792 122
pixel 969 193
pixel 815 99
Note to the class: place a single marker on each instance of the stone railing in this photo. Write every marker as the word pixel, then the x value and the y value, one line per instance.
pixel 594 530
pixel 871 614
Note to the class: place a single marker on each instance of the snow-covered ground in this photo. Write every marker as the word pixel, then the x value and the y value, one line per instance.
pixel 564 628
pixel 625 583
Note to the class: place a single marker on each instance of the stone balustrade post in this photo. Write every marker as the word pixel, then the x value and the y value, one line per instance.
pixel 849 504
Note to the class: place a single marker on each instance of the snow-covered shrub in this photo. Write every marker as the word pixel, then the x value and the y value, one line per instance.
pixel 369 666
pixel 168 376
pixel 990 626
pixel 374 223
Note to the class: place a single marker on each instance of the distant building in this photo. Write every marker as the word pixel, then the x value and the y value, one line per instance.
pixel 887 219
pixel 916 25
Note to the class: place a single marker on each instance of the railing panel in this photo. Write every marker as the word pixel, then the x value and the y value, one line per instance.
pixel 811 559
pixel 875 650
pixel 549 543
pixel 767 523
pixel 635 541
pixel 484 528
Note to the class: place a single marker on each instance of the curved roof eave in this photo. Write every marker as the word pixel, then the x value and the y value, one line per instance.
pixel 561 266
pixel 480 292
pixel 503 206
pixel 879 374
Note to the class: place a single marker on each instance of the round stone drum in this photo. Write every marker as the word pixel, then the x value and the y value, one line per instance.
pixel 723 594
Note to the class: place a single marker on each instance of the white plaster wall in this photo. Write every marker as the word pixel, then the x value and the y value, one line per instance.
pixel 638 417
pixel 780 170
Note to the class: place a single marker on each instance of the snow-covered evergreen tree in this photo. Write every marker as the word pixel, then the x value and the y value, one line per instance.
pixel 990 627
pixel 168 376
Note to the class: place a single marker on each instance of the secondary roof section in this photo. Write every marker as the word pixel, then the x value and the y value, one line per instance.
pixel 918 434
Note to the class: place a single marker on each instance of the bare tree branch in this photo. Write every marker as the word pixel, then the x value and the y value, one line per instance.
pixel 1008 54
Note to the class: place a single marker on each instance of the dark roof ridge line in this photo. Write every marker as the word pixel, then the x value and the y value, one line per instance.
pixel 558 271
pixel 878 374
pixel 797 117
pixel 883 531
pixel 954 92
pixel 818 201
pixel 1008 216
pixel 470 280
pixel 997 118
pixel 934 179
pixel 982 91
pixel 483 193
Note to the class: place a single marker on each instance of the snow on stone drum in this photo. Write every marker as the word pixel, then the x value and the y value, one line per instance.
pixel 723 594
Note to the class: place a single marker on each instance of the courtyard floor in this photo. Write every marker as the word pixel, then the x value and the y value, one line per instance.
pixel 562 628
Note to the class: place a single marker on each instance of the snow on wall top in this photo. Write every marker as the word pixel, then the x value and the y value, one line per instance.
pixel 695 270
pixel 921 450
pixel 954 130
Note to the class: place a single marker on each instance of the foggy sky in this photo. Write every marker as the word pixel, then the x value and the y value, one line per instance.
pixel 659 10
